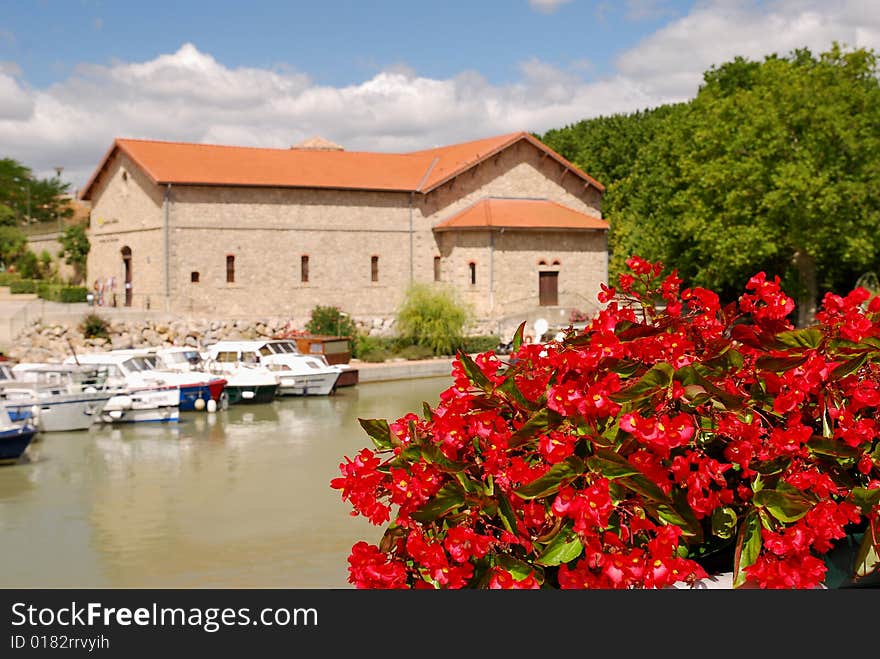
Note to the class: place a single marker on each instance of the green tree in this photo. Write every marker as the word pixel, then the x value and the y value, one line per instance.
pixel 13 243
pixel 27 265
pixel 330 321
pixel 431 316
pixel 773 166
pixel 75 248
pixel 31 199
pixel 607 147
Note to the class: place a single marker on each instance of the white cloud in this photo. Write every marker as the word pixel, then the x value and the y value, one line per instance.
pixel 15 102
pixel 671 61
pixel 190 96
pixel 547 6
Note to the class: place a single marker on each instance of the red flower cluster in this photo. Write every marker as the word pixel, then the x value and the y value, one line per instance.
pixel 671 433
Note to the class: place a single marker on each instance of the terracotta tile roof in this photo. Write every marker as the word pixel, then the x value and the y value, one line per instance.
pixel 495 213
pixel 181 163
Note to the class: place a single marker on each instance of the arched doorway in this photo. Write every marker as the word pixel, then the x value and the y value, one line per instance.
pixel 126 262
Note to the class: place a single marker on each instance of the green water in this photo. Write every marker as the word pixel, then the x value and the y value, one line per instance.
pixel 235 499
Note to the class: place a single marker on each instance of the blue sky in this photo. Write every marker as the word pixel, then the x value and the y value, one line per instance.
pixel 335 42
pixel 383 75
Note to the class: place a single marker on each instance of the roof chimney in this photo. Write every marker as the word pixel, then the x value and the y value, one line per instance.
pixel 318 143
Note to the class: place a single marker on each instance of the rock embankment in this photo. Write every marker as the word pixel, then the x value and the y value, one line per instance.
pixel 53 343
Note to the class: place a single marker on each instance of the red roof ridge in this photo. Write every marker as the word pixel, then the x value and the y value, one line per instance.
pixel 483 209
pixel 407 171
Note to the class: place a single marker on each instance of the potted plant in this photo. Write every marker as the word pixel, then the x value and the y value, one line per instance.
pixel 671 440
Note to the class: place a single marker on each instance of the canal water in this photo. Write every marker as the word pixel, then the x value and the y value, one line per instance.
pixel 236 499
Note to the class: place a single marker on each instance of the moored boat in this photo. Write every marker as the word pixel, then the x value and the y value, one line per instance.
pixel 246 380
pixel 139 398
pixel 63 396
pixel 15 437
pixel 297 374
pixel 175 365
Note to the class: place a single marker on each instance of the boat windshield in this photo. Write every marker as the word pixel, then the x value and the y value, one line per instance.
pixel 138 364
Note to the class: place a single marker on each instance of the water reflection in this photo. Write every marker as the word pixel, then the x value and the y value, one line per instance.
pixel 239 498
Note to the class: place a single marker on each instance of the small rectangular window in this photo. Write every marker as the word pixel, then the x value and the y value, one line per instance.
pixel 436 268
pixel 374 268
pixel 304 268
pixel 473 272
pixel 230 269
pixel 194 277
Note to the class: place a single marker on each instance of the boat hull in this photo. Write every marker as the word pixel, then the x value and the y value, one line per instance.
pixel 143 406
pixel 251 394
pixel 14 442
pixel 203 391
pixel 79 413
pixel 319 384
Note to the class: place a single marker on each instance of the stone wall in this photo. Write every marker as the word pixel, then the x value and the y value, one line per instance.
pixel 268 231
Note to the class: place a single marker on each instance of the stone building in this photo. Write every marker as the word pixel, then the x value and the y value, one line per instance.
pixel 231 231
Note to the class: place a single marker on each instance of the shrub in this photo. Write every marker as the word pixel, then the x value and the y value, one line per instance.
pixel 655 447
pixel 28 266
pixel 415 352
pixel 23 286
pixel 431 316
pixel 62 293
pixel 330 321
pixel 475 344
pixel 94 326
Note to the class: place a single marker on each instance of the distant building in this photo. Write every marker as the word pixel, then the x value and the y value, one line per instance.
pixel 235 231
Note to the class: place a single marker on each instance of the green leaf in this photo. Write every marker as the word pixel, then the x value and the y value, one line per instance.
pixel 379 432
pixel 470 486
pixel 832 447
pixel 748 547
pixel 508 387
pixel 849 367
pixel 519 569
pixel 658 377
pixel 784 506
pixel 432 453
pixel 449 497
pixel 864 498
pixel 867 560
pixel 427 412
pixel 539 423
pixel 610 464
pixel 553 480
pixel 642 485
pixel 724 522
pixel 506 513
pixel 518 336
pixel 474 373
pixel 779 364
pixel 563 547
pixel 801 338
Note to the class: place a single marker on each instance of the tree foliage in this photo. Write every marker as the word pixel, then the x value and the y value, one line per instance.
pixel 431 316
pixel 607 147
pixel 773 166
pixel 75 248
pixel 31 199
pixel 13 243
pixel 330 321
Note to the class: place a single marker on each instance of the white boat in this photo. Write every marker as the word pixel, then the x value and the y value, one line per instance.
pixel 298 374
pixel 247 381
pixel 15 437
pixel 58 397
pixel 141 398
pixel 166 366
